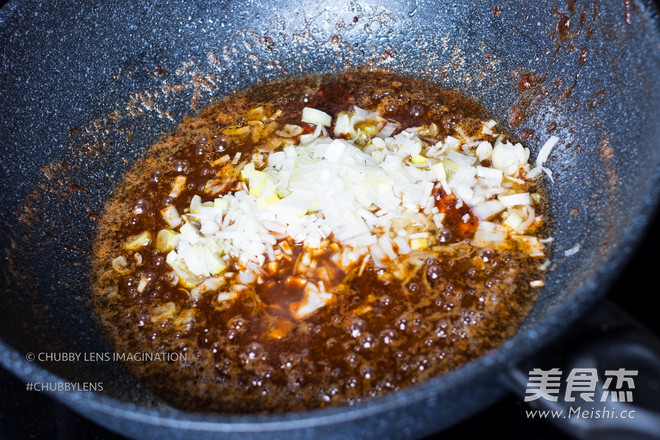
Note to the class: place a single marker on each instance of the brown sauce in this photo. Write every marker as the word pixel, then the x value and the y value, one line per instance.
pixel 249 355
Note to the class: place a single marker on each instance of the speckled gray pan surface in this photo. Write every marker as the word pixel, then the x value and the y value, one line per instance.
pixel 86 87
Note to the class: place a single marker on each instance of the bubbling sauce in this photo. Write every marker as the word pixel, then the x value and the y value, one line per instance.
pixel 253 339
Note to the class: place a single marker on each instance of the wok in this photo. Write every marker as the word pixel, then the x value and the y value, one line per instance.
pixel 87 87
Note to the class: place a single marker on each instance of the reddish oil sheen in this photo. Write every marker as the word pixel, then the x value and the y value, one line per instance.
pixel 453 220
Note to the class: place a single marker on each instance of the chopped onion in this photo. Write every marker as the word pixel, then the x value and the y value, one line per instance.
pixel 513 221
pixel 516 199
pixel 545 150
pixel 161 313
pixel 290 130
pixel 534 247
pixel 388 130
pixel 366 192
pixel 488 209
pixel 136 242
pixel 484 151
pixel 314 298
pixel 534 172
pixel 461 159
pixel 490 176
pixel 226 296
pixel 171 216
pixel 487 127
pixel 363 115
pixel 451 142
pixel 316 117
pixel 121 265
pixel 164 240
pixel 488 233
pixel 572 251
pixel 142 284
pixel 504 158
pixel 530 219
pixel 178 186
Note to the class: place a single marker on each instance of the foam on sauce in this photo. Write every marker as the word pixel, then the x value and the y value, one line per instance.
pixel 311 320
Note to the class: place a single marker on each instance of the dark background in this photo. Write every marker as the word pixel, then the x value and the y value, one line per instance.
pixel 34 415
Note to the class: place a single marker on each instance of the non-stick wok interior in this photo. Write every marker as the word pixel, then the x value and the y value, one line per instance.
pixel 86 87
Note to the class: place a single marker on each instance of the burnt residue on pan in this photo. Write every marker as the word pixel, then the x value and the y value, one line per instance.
pixel 85 100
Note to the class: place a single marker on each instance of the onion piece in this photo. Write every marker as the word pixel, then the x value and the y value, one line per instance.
pixel 505 157
pixel 135 242
pixel 171 216
pixel 545 150
pixel 316 117
pixel 529 220
pixel 572 251
pixel 490 176
pixel 290 130
pixel 484 151
pixel 461 159
pixel 516 199
pixel 163 312
pixel 314 298
pixel 489 234
pixel 388 130
pixel 120 265
pixel 488 209
pixel 142 284
pixel 178 186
